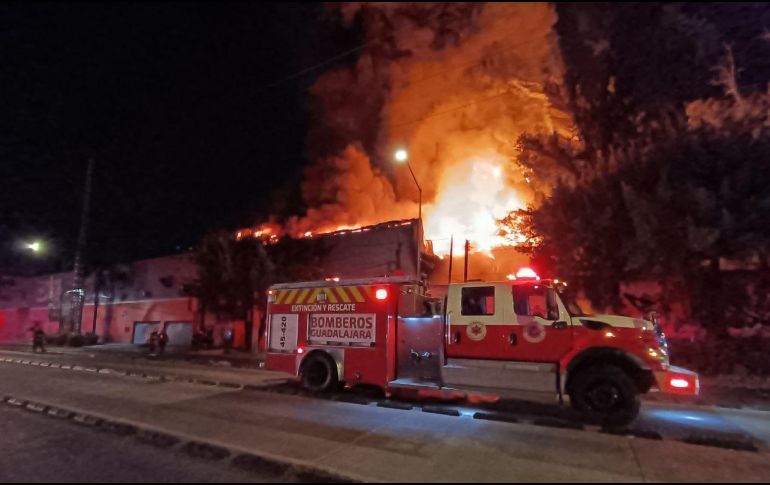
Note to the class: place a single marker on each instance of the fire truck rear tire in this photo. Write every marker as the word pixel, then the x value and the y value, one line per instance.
pixel 606 395
pixel 319 373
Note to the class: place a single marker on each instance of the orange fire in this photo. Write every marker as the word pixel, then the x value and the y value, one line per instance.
pixel 457 98
pixel 472 197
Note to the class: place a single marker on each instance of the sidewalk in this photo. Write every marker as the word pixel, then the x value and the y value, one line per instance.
pixel 214 357
pixel 151 369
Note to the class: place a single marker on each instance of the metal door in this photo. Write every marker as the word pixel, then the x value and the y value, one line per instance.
pixel 420 348
pixel 179 334
pixel 142 331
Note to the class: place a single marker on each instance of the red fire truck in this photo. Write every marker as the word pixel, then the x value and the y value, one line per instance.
pixel 523 338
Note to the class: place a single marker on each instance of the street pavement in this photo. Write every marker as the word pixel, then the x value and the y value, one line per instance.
pixel 362 440
pixel 38 449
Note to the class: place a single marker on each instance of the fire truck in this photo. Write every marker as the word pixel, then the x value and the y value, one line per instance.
pixel 523 338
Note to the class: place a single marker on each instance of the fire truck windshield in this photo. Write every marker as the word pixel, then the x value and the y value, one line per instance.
pixel 569 300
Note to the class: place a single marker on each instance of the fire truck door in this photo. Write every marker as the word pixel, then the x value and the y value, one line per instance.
pixel 476 321
pixel 485 346
pixel 544 333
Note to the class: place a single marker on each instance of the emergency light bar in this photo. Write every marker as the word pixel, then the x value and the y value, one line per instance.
pixel 527 273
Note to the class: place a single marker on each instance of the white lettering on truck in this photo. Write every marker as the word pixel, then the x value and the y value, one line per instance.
pixel 349 328
pixel 325 307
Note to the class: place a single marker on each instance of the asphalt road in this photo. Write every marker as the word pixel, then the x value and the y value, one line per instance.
pixel 37 448
pixel 364 442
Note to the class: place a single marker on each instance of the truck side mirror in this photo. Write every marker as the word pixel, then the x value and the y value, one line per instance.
pixel 553 314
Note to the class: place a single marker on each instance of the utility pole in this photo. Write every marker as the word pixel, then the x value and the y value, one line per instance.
pixel 451 249
pixel 78 292
pixel 467 250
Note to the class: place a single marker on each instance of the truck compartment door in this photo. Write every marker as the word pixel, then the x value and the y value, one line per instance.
pixel 283 332
pixel 420 349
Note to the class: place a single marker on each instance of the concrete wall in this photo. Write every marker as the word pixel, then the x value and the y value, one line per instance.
pixel 114 322
pixel 373 251
pixel 146 290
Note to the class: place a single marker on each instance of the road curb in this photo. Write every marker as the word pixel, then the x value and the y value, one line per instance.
pixel 440 410
pixel 86 420
pixel 36 408
pixel 205 451
pixel 58 413
pixel 156 438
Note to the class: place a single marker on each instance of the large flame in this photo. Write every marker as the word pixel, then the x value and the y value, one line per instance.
pixel 456 84
pixel 473 196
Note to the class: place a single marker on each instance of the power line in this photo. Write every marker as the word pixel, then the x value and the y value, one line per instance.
pixel 314 67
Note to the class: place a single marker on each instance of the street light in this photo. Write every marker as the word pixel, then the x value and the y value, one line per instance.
pixel 35 246
pixel 402 156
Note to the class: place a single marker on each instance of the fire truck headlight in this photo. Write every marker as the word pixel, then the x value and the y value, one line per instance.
pixel 381 294
pixel 656 354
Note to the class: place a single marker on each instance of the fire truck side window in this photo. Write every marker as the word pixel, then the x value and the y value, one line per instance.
pixel 478 300
pixel 530 301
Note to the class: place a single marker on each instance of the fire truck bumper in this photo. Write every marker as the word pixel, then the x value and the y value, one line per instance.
pixel 678 381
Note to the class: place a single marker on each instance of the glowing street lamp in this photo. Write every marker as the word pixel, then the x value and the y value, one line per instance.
pixel 402 156
pixel 35 246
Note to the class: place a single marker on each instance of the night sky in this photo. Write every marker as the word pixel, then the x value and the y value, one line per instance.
pixel 186 110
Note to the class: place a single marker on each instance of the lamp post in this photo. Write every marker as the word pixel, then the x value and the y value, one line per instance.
pixel 402 156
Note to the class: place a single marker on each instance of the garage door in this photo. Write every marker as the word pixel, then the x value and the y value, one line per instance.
pixel 179 334
pixel 142 331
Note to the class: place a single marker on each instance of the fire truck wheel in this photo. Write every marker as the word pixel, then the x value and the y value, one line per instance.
pixel 319 373
pixel 605 394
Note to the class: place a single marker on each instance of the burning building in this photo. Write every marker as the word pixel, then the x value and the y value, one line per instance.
pixel 456 85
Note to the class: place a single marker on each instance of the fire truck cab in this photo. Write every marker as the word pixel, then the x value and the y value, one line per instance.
pixel 522 338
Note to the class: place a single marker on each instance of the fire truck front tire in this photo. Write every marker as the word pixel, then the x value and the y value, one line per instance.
pixel 319 373
pixel 606 395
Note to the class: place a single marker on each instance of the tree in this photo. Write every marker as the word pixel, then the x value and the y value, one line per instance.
pixel 235 274
pixel 686 212
pixel 663 177
pixel 630 68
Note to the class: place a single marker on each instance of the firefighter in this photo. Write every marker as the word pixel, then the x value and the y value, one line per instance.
pixel 227 339
pixel 38 339
pixel 162 341
pixel 472 306
pixel 153 341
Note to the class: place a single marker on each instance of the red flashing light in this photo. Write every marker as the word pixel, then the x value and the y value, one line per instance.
pixel 300 350
pixel 527 273
pixel 679 383
pixel 381 294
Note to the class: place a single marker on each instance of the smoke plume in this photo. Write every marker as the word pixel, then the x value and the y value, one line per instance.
pixel 455 84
